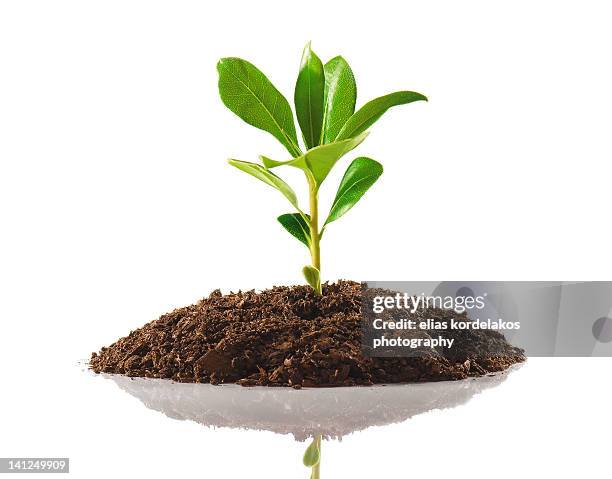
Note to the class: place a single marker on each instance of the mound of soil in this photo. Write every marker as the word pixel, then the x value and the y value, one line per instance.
pixel 288 336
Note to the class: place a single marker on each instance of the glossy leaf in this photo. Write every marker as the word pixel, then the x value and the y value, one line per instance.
pixel 297 226
pixel 363 118
pixel 313 278
pixel 340 97
pixel 359 176
pixel 249 94
pixel 320 160
pixel 312 456
pixel 267 177
pixel 309 91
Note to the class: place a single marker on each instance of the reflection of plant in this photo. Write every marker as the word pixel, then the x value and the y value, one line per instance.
pixel 312 457
pixel 324 99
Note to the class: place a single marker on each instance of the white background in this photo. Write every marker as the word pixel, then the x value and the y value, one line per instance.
pixel 116 205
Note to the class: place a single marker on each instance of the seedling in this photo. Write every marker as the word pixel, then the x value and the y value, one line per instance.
pixel 324 101
pixel 312 457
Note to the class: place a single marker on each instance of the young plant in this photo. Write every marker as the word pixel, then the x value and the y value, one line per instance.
pixel 324 99
pixel 312 457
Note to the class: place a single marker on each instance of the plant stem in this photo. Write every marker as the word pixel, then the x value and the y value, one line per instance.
pixel 316 469
pixel 315 237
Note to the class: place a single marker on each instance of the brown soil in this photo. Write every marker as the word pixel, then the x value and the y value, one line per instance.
pixel 287 336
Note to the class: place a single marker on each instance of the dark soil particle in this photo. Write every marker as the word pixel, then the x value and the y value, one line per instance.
pixel 287 336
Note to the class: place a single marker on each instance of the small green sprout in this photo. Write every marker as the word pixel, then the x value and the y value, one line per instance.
pixel 312 457
pixel 324 99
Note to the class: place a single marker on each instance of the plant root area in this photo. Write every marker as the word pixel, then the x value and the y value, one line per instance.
pixel 288 336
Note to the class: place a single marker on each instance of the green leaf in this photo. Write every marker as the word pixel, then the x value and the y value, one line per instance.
pixel 340 97
pixel 359 176
pixel 270 163
pixel 320 160
pixel 297 226
pixel 312 456
pixel 363 118
pixel 309 91
pixel 313 278
pixel 267 177
pixel 249 94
